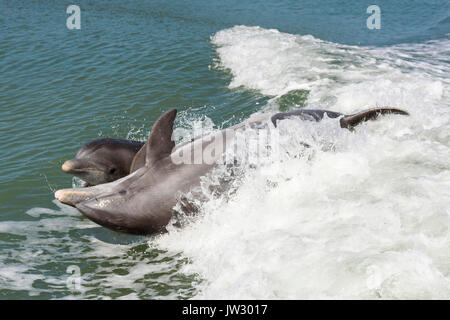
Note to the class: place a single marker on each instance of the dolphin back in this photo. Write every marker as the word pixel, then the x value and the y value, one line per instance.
pixel 353 120
pixel 346 121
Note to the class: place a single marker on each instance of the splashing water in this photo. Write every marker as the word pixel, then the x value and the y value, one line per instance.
pixel 366 215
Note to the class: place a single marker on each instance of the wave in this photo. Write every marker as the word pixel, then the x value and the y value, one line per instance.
pixel 365 214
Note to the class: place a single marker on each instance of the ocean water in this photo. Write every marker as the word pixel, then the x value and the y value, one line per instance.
pixel 363 215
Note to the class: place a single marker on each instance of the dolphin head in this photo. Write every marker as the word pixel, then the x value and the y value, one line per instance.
pixel 103 160
pixel 115 206
pixel 92 172
pixel 137 203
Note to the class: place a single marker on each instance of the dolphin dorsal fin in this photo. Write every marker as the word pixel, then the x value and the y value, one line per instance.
pixel 160 144
pixel 164 123
pixel 139 159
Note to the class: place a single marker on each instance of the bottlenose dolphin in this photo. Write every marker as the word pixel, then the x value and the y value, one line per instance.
pixel 142 202
pixel 103 160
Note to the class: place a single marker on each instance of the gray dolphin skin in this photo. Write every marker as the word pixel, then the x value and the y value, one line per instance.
pixel 346 121
pixel 142 202
pixel 103 160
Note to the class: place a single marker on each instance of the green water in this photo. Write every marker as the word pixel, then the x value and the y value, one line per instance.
pixel 61 88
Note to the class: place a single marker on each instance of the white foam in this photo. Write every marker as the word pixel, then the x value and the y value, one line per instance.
pixel 363 216
pixel 344 78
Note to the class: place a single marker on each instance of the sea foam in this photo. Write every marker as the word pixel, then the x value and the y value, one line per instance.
pixel 365 214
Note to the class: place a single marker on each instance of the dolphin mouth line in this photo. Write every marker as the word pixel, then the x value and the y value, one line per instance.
pixel 82 169
pixel 69 169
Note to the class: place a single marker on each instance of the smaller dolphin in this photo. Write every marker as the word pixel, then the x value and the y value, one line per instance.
pixel 103 160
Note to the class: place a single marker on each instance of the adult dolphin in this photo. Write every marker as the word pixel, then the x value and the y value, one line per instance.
pixel 141 203
pixel 103 160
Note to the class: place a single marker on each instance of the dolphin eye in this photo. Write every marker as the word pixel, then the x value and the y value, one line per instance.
pixel 112 170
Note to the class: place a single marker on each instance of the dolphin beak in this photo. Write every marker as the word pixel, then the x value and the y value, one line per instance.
pixel 69 166
pixel 73 196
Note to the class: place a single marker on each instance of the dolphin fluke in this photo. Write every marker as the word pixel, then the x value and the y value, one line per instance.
pixel 353 120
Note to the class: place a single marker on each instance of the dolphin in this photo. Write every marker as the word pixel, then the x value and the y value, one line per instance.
pixel 103 160
pixel 142 202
